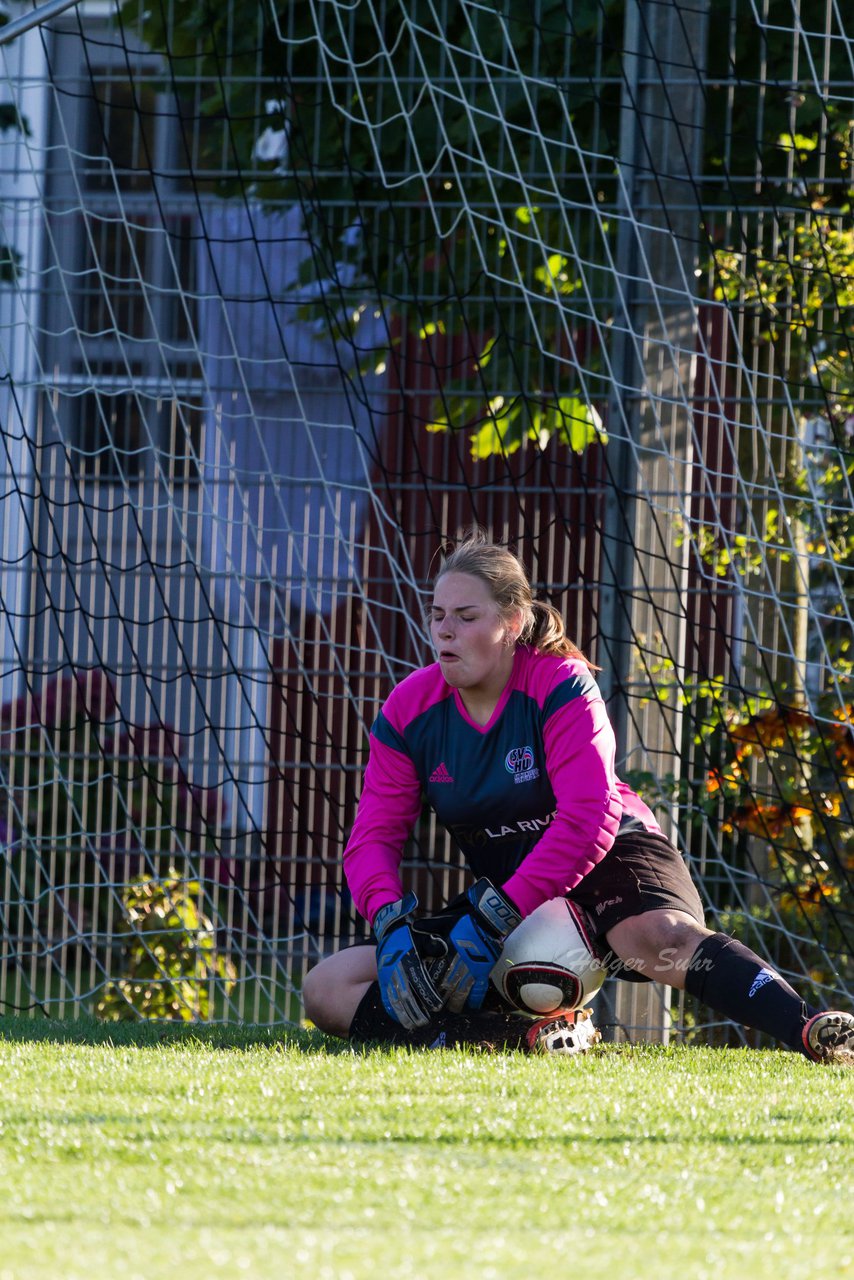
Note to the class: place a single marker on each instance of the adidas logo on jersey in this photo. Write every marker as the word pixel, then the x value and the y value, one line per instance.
pixel 441 774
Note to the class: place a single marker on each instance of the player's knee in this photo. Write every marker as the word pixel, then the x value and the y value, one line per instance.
pixel 677 933
pixel 333 989
pixel 315 996
pixel 657 933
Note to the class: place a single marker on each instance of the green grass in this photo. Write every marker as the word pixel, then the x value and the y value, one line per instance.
pixel 145 1152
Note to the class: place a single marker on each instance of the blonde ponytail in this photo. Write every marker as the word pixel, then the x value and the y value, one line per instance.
pixel 547 632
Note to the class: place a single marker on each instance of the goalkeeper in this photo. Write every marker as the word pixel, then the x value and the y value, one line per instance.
pixel 508 737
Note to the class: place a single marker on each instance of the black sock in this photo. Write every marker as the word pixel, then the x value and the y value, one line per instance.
pixel 488 1029
pixel 732 980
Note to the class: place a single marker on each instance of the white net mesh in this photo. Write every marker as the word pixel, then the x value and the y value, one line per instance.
pixel 292 296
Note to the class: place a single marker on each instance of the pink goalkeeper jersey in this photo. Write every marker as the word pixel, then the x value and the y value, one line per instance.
pixel 531 798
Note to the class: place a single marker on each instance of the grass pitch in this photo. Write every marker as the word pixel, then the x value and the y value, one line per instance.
pixel 147 1152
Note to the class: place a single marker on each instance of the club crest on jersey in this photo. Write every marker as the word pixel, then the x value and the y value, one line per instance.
pixel 520 762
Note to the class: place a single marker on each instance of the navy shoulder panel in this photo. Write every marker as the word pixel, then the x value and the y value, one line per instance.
pixel 385 732
pixel 576 685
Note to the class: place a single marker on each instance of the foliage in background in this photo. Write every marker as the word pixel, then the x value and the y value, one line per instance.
pixel 491 100
pixel 783 761
pixel 89 798
pixel 778 744
pixel 786 780
pixel 392 239
pixel 170 962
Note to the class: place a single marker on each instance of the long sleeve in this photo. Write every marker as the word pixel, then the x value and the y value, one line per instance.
pixel 580 750
pixel 388 809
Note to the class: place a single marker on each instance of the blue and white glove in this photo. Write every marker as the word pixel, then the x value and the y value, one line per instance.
pixel 408 992
pixel 475 927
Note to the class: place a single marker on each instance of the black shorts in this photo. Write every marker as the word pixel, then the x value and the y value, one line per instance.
pixel 641 872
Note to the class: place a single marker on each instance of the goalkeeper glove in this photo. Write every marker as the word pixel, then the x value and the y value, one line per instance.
pixel 475 927
pixel 408 993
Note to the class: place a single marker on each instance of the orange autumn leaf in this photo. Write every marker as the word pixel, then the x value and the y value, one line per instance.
pixel 716 780
pixel 809 896
pixel 757 819
pixel 770 729
pixel 770 820
pixel 842 737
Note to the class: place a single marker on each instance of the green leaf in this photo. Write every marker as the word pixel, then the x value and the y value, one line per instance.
pixel 486 355
pixel 555 264
pixel 796 142
pixel 575 423
pixel 501 434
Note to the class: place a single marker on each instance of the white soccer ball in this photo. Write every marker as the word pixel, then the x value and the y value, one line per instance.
pixel 548 963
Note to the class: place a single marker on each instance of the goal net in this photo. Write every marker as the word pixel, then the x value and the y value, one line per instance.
pixel 291 293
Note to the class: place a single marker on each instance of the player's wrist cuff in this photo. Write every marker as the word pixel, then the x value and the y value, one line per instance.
pixel 393 913
pixel 494 908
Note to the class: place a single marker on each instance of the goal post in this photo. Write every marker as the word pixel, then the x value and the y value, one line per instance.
pixel 26 21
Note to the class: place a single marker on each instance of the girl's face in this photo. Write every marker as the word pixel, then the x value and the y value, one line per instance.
pixel 473 642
